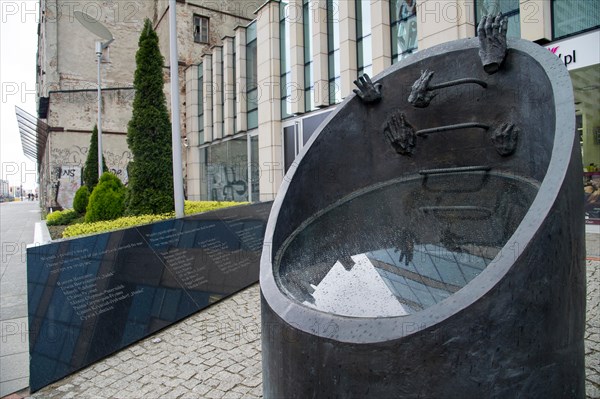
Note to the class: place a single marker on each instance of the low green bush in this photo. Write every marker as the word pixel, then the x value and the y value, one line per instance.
pixel 82 197
pixel 191 207
pixel 107 201
pixel 61 218
pixel 109 225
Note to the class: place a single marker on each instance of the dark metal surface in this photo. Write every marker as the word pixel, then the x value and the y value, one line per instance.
pixel 492 41
pixel 515 328
pixel 423 91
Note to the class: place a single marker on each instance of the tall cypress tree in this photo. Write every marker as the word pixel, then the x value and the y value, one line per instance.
pixel 90 170
pixel 149 133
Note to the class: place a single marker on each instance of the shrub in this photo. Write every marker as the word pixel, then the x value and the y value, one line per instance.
pixel 149 133
pixel 90 170
pixel 192 207
pixel 107 201
pixel 60 218
pixel 82 197
pixel 109 225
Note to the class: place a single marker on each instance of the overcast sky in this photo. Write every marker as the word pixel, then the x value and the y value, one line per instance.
pixel 18 48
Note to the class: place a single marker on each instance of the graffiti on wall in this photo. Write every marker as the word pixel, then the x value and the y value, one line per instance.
pixel 64 162
pixel 69 181
pixel 227 182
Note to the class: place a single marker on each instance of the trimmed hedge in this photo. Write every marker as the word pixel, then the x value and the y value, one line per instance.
pixel 108 225
pixel 60 218
pixel 191 207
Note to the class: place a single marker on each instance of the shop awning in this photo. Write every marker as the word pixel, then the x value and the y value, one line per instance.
pixel 34 134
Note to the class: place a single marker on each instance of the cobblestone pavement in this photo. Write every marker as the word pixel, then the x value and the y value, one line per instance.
pixel 592 333
pixel 213 354
pixel 216 354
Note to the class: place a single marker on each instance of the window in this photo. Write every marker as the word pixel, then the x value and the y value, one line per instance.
pixel 234 86
pixel 403 15
pixel 309 84
pixel 201 103
pixel 226 170
pixel 570 17
pixel 285 60
pixel 508 8
pixel 200 29
pixel 254 193
pixel 297 133
pixel 251 77
pixel 223 91
pixel 363 37
pixel 333 45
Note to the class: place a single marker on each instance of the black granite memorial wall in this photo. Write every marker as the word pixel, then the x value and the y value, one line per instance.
pixel 91 296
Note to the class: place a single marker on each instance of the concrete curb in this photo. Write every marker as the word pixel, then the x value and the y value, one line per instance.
pixel 41 235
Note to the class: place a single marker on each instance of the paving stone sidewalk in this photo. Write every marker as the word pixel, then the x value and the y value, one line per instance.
pixel 216 354
pixel 592 333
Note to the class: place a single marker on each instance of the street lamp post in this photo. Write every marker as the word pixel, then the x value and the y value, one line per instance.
pixel 94 26
pixel 175 116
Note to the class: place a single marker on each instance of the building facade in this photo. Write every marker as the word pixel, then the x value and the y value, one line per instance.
pixel 254 102
pixel 4 191
pixel 257 78
pixel 67 79
pixel 67 91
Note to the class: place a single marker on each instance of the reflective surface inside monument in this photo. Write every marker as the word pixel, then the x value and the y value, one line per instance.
pixel 400 247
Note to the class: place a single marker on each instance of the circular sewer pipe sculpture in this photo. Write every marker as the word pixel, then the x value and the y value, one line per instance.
pixel 429 240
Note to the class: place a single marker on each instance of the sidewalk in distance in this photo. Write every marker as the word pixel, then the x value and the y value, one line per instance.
pixel 17 225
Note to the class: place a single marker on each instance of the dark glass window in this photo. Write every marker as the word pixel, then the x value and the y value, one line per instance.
pixel 309 84
pixel 285 61
pixel 573 16
pixel 403 15
pixel 363 37
pixel 296 136
pixel 251 77
pixel 201 103
pixel 234 86
pixel 254 168
pixel 222 89
pixel 509 8
pixel 289 146
pixel 333 41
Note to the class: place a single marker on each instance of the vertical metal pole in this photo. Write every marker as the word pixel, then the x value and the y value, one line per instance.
pixel 99 56
pixel 175 116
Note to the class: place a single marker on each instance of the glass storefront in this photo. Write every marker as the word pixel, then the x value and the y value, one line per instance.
pixel 296 134
pixel 576 24
pixel 224 170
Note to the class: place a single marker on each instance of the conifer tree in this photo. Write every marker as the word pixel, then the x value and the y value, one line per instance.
pixel 90 170
pixel 149 133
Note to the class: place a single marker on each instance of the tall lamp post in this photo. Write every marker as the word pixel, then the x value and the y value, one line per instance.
pixel 175 116
pixel 94 26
